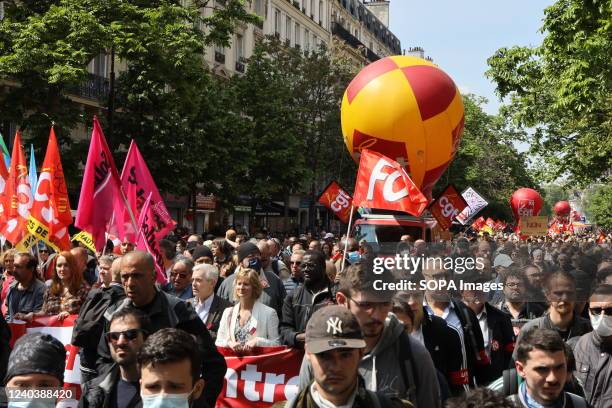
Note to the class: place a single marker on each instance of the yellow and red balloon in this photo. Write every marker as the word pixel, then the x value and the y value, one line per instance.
pixel 407 109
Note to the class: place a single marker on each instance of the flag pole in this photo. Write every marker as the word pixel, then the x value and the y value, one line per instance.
pixel 348 233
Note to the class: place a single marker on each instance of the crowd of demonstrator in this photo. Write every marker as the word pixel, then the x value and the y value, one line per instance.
pixel 544 339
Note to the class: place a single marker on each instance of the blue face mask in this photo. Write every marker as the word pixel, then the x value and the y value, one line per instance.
pixel 165 401
pixel 255 263
pixel 353 257
pixel 32 404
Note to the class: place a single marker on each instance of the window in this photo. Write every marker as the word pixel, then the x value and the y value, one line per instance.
pixel 98 65
pixel 306 40
pixel 239 47
pixel 277 22
pixel 288 26
pixel 297 34
pixel 312 7
pixel 258 7
pixel 321 12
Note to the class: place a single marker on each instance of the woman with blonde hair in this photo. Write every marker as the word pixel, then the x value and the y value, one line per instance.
pixel 249 323
pixel 8 266
pixel 67 290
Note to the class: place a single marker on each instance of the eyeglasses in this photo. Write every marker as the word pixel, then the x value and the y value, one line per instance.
pixel 43 251
pixel 371 305
pixel 130 335
pixel 180 275
pixel 597 310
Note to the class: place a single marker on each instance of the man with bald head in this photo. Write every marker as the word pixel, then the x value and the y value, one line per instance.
pixel 165 311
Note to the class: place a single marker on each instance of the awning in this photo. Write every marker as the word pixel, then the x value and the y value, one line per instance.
pixel 272 209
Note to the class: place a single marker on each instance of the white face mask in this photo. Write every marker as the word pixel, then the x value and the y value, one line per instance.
pixel 602 324
pixel 165 401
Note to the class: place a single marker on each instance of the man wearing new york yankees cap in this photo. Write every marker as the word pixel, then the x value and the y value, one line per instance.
pixel 393 362
pixel 334 347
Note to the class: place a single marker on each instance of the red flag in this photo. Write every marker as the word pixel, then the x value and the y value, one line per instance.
pixel 447 206
pixel 50 215
pixel 383 183
pixel 478 224
pixel 146 240
pixel 4 175
pixel 490 222
pixel 138 183
pixel 18 195
pixel 100 190
pixel 337 200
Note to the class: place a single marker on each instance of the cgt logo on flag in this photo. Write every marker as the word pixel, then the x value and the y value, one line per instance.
pixel 337 200
pixel 383 183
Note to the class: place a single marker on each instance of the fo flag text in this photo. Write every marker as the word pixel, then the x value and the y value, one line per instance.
pixel 447 206
pixel 337 200
pixel 383 183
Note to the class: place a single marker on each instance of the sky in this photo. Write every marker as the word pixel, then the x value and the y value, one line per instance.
pixel 461 35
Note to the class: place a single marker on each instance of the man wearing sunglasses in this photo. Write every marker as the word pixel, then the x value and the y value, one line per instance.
pixel 593 350
pixel 120 388
pixel 295 264
pixel 393 362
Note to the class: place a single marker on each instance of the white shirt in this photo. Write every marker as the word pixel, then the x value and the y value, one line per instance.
pixel 202 308
pixel 484 328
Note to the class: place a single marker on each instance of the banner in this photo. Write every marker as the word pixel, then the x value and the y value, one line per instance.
pixel 50 215
pixel 138 183
pixel 61 330
pixel 269 376
pixel 536 225
pixel 18 195
pixel 383 183
pixel 475 203
pixel 260 380
pixel 86 239
pixel 100 189
pixel 336 199
pixel 447 206
pixel 147 241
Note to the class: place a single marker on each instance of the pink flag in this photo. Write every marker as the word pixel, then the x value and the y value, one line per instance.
pixel 147 241
pixel 138 183
pixel 100 191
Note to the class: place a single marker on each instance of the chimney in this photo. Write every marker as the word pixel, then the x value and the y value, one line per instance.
pixel 380 8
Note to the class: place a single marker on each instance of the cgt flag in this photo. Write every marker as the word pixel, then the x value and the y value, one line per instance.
pixel 100 190
pixel 447 206
pixel 147 241
pixel 50 215
pixel 18 196
pixel 337 200
pixel 138 183
pixel 383 183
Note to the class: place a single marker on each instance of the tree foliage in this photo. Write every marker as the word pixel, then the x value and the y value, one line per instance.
pixel 487 160
pixel 562 90
pixel 599 205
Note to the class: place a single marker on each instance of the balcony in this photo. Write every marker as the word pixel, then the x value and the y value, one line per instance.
pixel 346 36
pixel 94 87
pixel 240 67
pixel 371 55
pixel 219 57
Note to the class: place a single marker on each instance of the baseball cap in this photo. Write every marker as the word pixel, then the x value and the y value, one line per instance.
pixel 333 327
pixel 329 235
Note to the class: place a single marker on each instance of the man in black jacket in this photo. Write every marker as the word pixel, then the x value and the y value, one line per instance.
pixel 495 325
pixel 311 295
pixel 458 316
pixel 120 386
pixel 164 311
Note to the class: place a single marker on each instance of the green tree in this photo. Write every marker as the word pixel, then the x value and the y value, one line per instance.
pixel 45 48
pixel 562 91
pixel 487 160
pixel 552 194
pixel 599 205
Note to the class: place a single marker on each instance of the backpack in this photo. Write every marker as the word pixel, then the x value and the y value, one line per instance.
pixel 89 326
pixel 407 367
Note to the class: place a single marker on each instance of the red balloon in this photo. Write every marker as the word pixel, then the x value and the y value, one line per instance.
pixel 562 208
pixel 525 202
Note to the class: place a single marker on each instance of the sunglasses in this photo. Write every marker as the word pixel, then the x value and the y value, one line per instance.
pixel 130 335
pixel 44 251
pixel 597 310
pixel 180 275
pixel 296 262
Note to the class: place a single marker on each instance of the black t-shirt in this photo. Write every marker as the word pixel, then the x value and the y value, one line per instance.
pixel 124 393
